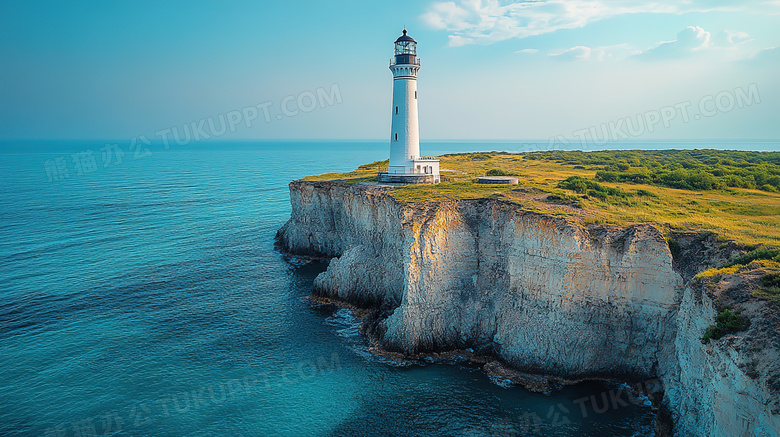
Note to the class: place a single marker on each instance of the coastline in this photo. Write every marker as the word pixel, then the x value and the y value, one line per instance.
pixel 388 260
pixel 501 373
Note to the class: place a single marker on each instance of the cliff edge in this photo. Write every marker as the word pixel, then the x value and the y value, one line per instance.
pixel 542 294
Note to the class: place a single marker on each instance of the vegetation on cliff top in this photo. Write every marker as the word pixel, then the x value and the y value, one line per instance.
pixel 364 173
pixel 762 253
pixel 732 193
pixel 760 268
pixel 750 277
pixel 685 169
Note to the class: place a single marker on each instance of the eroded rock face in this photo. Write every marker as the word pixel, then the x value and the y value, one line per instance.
pixel 360 227
pixel 542 294
pixel 723 388
pixel 710 392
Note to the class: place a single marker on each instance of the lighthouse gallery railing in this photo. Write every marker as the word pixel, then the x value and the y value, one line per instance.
pixel 415 61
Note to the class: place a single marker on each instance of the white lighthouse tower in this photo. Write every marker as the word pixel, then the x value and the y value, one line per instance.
pixel 406 165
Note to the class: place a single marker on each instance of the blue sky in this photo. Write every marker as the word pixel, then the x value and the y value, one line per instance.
pixel 490 69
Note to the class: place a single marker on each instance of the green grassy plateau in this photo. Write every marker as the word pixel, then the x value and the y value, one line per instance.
pixel 734 194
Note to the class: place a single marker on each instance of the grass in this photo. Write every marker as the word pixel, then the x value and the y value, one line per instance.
pixel 448 190
pixel 772 294
pixel 364 173
pixel 717 272
pixel 746 215
pixel 771 287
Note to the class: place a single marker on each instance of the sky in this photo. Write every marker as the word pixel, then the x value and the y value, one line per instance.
pixel 560 69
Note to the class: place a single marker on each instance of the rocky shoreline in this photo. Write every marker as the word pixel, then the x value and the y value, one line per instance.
pixel 491 365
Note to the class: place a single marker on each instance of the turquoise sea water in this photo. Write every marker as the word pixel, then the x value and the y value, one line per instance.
pixel 145 298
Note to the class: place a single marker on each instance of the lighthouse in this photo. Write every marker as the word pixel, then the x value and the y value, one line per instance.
pixel 406 165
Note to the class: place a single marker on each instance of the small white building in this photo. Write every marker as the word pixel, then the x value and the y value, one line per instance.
pixel 406 165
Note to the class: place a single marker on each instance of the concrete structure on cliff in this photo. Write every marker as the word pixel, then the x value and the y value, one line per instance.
pixel 406 165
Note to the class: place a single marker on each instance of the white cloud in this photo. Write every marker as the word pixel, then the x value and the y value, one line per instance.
pixel 689 40
pixel 578 52
pixel 528 51
pixel 457 40
pixel 729 38
pixel 693 40
pixel 489 21
pixel 584 53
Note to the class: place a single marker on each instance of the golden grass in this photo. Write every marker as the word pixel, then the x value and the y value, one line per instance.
pixel 711 273
pixel 366 172
pixel 746 216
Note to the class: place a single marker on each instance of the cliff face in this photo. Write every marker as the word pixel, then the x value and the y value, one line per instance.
pixel 728 387
pixel 360 228
pixel 715 389
pixel 539 292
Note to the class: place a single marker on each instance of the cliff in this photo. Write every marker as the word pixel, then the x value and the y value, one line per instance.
pixel 728 387
pixel 542 294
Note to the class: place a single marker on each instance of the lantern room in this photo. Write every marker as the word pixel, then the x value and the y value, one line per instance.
pixel 406 50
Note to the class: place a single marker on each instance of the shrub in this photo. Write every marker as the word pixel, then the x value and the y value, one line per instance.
pixel 757 254
pixel 611 176
pixel 607 176
pixel 564 199
pixel 727 322
pixel 684 169
pixel 496 172
pixel 598 194
pixel 645 193
pixel 577 184
pixel 771 280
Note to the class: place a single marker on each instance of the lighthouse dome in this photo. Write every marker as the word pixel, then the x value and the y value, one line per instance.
pixel 405 37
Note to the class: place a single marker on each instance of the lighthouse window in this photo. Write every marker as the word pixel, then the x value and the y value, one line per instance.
pixel 415 94
pixel 396 137
pixel 396 109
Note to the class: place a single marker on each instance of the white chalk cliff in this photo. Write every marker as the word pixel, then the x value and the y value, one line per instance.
pixel 543 294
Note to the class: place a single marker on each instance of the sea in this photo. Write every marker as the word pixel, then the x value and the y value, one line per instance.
pixel 141 295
